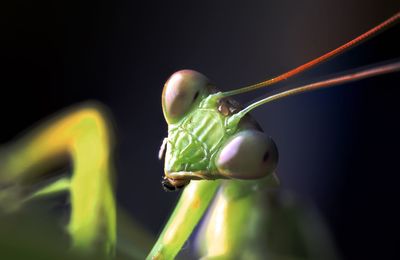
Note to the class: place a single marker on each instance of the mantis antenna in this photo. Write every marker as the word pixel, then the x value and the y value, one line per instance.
pixel 358 75
pixel 390 21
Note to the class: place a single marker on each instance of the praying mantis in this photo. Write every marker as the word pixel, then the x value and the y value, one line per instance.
pixel 84 131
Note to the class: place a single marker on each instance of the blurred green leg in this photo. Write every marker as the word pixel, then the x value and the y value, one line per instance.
pixel 82 136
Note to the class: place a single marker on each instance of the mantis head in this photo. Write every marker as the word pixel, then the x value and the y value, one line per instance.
pixel 207 136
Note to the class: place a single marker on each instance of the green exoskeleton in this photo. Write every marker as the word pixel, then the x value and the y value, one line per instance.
pixel 207 138
pixel 210 138
pixel 221 154
pixel 216 146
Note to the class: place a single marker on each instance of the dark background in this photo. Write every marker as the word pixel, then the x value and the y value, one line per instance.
pixel 338 147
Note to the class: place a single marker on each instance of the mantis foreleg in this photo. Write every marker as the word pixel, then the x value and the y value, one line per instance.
pixel 81 136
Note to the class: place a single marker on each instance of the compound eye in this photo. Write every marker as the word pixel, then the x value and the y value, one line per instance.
pixel 180 92
pixel 249 154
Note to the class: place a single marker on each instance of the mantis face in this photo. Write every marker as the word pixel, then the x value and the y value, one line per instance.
pixel 210 137
pixel 206 139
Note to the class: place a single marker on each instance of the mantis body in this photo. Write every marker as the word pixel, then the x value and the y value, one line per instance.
pixel 214 148
pixel 232 147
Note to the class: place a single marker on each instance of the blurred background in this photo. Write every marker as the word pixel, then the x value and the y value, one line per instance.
pixel 338 148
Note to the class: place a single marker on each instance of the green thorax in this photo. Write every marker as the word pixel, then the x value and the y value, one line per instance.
pixel 194 142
